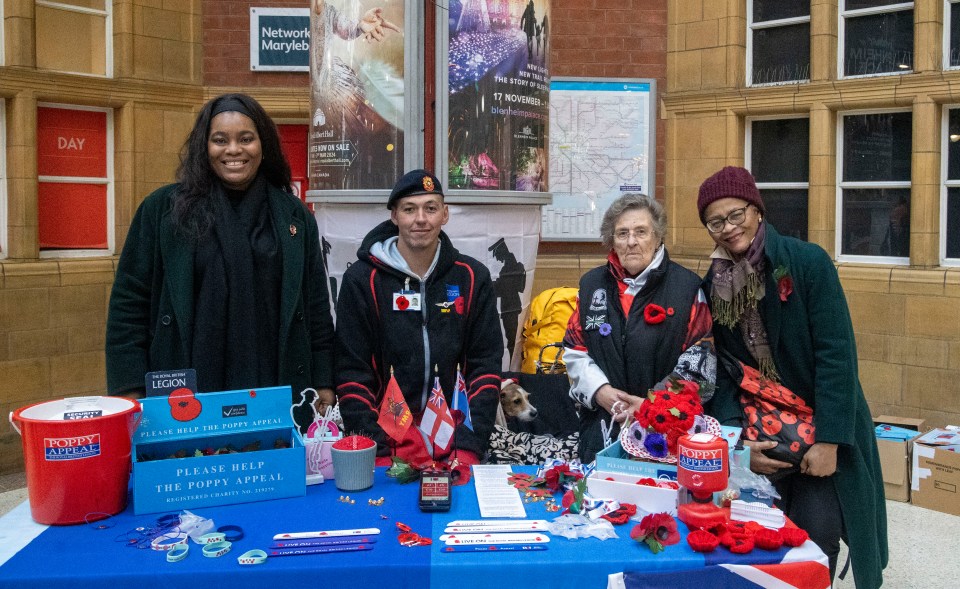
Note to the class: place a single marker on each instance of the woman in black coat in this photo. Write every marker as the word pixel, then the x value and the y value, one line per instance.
pixel 222 272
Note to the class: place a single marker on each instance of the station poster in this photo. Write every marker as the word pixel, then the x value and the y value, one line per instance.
pixel 357 94
pixel 498 80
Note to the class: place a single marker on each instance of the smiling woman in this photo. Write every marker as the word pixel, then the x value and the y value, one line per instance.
pixel 640 320
pixel 208 261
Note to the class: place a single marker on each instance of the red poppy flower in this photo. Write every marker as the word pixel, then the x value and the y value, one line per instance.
pixel 661 526
pixel 647 482
pixel 768 539
pixel 806 432
pixel 795 447
pixel 654 314
pixel 741 545
pixel 753 418
pixel 402 303
pixel 752 433
pixel 793 537
pixel 702 541
pixel 458 305
pixel 788 417
pixel 771 425
pixel 785 287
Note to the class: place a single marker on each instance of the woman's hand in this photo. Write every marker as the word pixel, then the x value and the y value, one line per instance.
pixel 820 460
pixel 610 399
pixel 760 463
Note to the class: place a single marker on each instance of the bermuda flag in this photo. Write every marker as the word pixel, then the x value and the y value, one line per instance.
pixel 804 567
pixel 461 405
pixel 395 417
pixel 437 423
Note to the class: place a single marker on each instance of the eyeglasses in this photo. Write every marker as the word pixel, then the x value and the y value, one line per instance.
pixel 735 217
pixel 624 234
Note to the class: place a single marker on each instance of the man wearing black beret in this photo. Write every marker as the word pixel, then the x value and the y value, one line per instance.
pixel 414 304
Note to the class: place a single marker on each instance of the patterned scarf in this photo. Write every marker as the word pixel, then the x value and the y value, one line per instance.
pixel 738 287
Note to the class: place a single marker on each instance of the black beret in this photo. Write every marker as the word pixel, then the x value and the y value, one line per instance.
pixel 414 183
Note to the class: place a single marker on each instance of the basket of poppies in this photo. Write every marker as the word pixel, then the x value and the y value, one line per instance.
pixel 663 418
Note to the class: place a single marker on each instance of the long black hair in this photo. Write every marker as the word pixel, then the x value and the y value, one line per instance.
pixel 193 206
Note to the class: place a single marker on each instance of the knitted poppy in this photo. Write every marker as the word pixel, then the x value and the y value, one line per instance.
pixel 654 314
pixel 655 444
pixel 702 541
pixel 768 539
pixel 793 537
pixel 741 545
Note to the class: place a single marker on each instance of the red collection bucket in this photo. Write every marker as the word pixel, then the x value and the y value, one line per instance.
pixel 77 456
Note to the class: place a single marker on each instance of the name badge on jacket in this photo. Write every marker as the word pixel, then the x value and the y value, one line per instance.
pixel 406 300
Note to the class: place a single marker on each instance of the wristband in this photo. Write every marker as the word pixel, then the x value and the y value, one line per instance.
pixel 216 550
pixel 231 533
pixel 211 538
pixel 252 557
pixel 178 552
pixel 163 542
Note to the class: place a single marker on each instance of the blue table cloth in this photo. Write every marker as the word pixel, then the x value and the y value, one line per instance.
pixel 84 556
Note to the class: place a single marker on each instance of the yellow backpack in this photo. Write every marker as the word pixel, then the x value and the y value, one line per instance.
pixel 543 331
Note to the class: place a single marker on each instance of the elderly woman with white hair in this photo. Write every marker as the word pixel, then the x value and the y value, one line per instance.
pixel 640 320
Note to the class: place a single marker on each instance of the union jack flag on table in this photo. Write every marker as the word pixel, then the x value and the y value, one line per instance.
pixel 804 567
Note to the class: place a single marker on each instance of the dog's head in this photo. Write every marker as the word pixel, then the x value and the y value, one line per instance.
pixel 515 401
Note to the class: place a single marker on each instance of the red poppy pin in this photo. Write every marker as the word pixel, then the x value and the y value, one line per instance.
pixel 184 405
pixel 458 305
pixel 402 303
pixel 654 314
pixel 784 282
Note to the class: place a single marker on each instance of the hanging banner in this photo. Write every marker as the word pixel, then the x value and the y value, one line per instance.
pixel 499 64
pixel 503 238
pixel 357 101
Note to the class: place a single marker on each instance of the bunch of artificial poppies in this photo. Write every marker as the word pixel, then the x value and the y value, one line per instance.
pixel 667 415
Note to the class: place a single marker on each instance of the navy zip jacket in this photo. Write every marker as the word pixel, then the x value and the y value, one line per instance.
pixel 458 324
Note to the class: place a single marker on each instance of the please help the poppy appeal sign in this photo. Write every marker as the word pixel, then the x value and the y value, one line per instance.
pixel 201 450
pixel 280 39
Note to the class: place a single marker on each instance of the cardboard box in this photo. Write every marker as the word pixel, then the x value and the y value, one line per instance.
pixel 913 423
pixel 935 480
pixel 614 458
pixel 624 488
pixel 236 419
pixel 895 457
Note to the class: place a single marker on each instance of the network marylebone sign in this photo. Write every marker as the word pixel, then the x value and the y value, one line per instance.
pixel 280 39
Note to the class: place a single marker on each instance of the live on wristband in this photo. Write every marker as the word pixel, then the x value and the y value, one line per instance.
pixel 216 549
pixel 211 538
pixel 169 541
pixel 178 552
pixel 252 557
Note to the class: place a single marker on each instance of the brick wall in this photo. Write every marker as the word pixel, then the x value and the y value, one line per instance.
pixel 226 46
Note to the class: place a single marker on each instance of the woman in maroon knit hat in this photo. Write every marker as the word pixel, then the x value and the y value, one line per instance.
pixel 779 310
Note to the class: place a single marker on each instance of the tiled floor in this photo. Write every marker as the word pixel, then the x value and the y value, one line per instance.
pixel 924 544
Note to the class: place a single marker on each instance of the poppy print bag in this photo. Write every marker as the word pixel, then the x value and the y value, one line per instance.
pixel 772 412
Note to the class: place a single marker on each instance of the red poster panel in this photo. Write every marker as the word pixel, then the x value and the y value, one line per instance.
pixel 293 142
pixel 71 142
pixel 73 216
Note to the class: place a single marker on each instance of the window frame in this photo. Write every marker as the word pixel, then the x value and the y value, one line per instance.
pixel 769 24
pixel 841 185
pixel 947 8
pixel 843 13
pixel 106 13
pixel 4 245
pixel 748 157
pixel 109 181
pixel 946 184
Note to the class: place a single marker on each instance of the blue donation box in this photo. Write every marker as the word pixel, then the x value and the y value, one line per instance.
pixel 216 449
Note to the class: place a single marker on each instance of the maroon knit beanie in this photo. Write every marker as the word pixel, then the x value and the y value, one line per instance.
pixel 731 181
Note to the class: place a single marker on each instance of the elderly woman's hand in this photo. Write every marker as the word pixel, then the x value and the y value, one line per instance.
pixel 608 399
